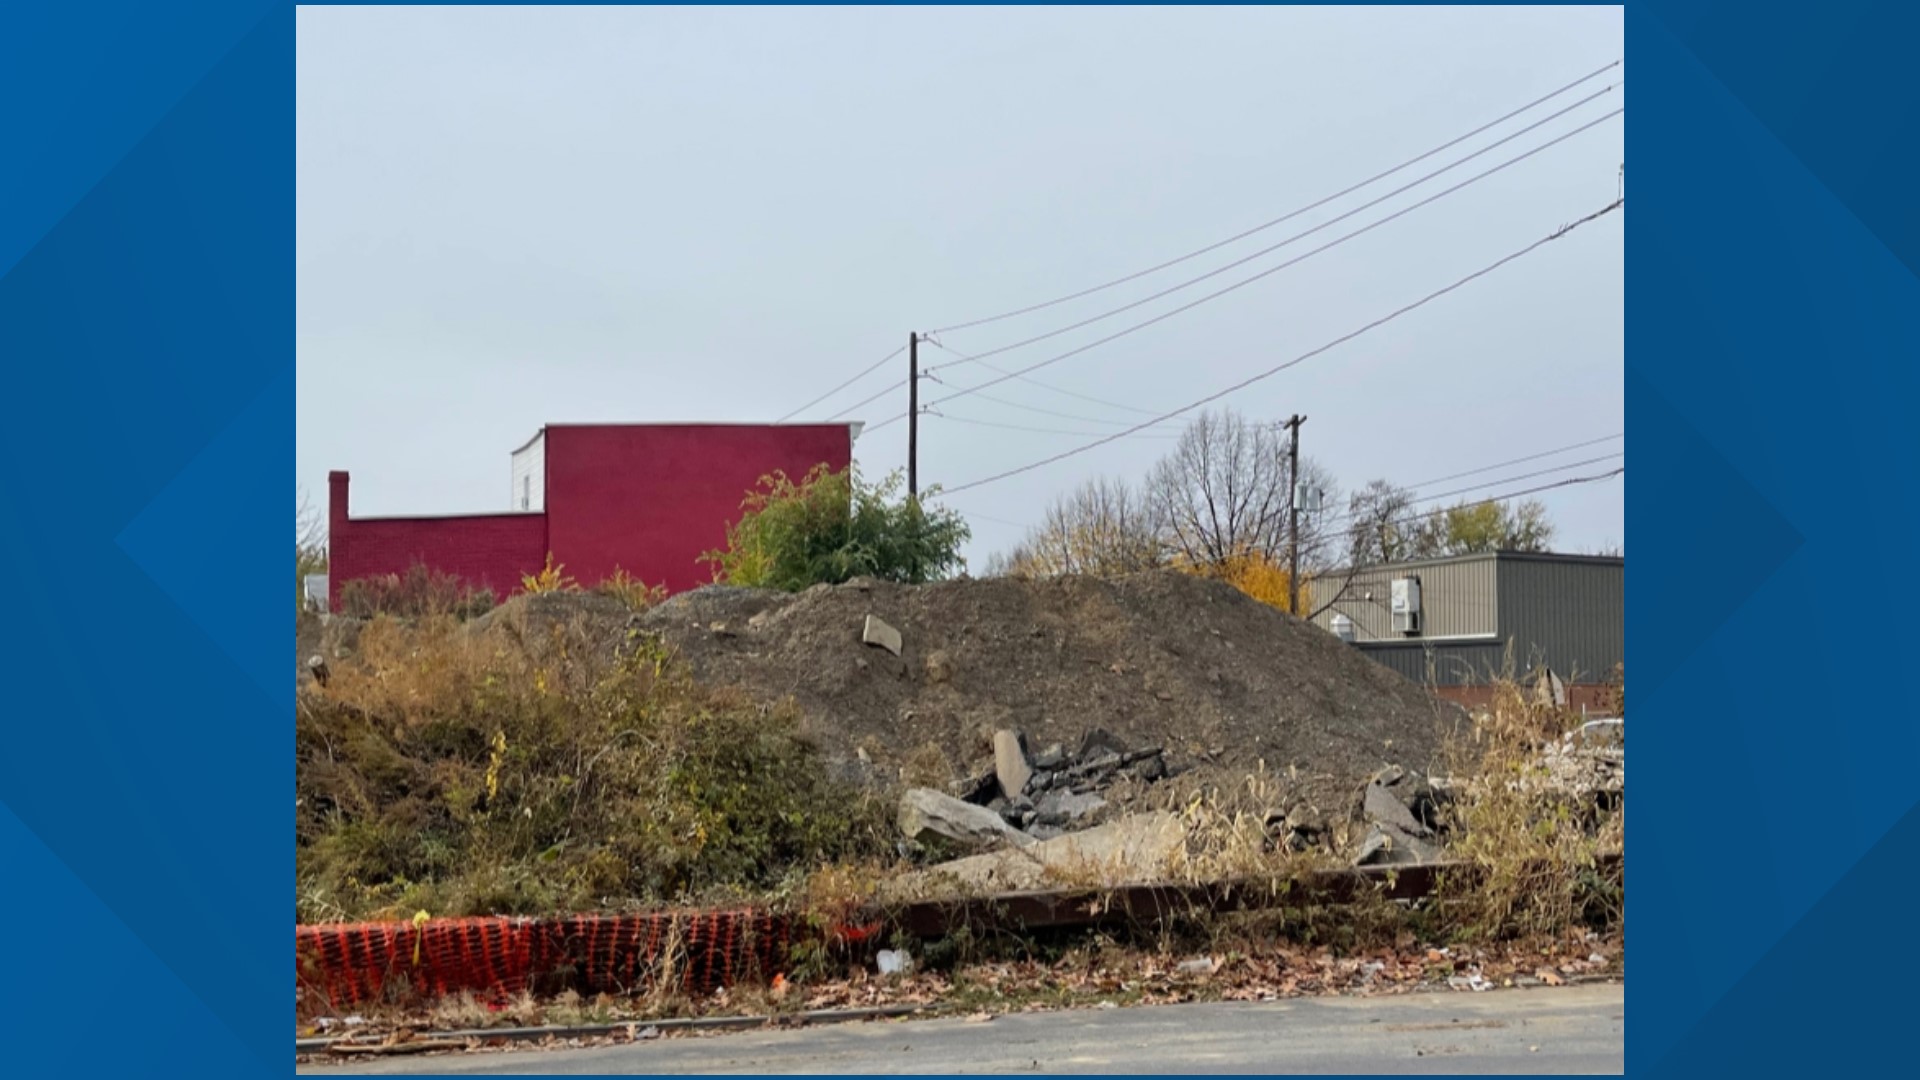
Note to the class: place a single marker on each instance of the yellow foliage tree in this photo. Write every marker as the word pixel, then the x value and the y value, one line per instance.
pixel 1256 575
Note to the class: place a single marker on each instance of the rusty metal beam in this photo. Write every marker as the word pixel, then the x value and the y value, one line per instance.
pixel 1143 904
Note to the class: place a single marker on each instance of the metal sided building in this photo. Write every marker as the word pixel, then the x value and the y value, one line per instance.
pixel 1454 623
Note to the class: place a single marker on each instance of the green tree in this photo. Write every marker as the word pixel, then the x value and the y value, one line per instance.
pixel 1472 528
pixel 832 526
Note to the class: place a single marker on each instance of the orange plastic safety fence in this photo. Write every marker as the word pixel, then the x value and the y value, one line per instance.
pixel 350 964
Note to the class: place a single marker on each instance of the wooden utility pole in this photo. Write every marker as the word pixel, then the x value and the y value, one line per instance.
pixel 1293 513
pixel 913 417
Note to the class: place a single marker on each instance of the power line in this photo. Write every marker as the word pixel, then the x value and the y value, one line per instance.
pixel 864 372
pixel 1308 355
pixel 1287 216
pixel 995 520
pixel 1190 305
pixel 1329 223
pixel 1044 386
pixel 1518 460
pixel 1050 412
pixel 1336 519
pixel 1041 430
pixel 1568 482
pixel 1448 494
pixel 873 398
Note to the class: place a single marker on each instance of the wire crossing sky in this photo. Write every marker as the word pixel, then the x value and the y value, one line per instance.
pixel 514 216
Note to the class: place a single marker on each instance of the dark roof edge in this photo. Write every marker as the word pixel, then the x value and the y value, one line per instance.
pixel 1482 556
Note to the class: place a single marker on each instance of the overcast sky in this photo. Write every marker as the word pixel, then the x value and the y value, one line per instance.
pixel 511 216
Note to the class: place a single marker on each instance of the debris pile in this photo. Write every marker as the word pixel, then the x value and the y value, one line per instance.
pixel 1052 791
pixel 1590 763
pixel 886 674
pixel 1131 849
pixel 1402 811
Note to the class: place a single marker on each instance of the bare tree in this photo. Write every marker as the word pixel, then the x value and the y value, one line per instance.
pixel 1381 525
pixel 1222 492
pixel 309 544
pixel 1226 491
pixel 1103 527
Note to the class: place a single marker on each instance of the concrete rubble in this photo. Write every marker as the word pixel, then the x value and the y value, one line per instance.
pixel 1401 810
pixel 929 817
pixel 1010 764
pixel 1136 848
pixel 1590 763
pixel 1054 791
pixel 879 633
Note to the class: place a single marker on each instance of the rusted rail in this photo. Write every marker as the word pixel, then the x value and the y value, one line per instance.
pixel 1144 904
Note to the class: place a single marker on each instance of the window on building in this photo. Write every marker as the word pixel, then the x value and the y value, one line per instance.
pixel 526 493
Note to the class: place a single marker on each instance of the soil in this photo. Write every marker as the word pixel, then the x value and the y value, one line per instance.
pixel 1157 659
pixel 1220 681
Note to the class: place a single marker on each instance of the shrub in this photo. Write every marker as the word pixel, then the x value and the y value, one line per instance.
pixel 551 578
pixel 630 590
pixel 420 593
pixel 451 771
pixel 1537 845
pixel 831 527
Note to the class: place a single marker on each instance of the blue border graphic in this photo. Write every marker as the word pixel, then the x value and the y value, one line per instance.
pixel 146 317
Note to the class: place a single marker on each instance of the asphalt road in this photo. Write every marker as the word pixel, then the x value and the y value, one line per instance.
pixel 1579 1029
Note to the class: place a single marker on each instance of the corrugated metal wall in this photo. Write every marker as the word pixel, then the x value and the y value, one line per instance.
pixel 1440 663
pixel 1569 614
pixel 1458 598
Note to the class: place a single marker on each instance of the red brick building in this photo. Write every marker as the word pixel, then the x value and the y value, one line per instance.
pixel 644 498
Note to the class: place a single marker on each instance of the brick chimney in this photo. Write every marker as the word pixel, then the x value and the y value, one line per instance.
pixel 336 535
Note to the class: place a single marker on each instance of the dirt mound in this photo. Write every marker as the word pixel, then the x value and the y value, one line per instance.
pixel 1163 659
pixel 1158 659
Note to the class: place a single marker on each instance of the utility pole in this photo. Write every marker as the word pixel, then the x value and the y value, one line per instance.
pixel 1293 513
pixel 913 417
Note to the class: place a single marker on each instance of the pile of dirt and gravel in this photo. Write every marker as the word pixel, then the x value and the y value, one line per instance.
pixel 1216 680
pixel 1162 660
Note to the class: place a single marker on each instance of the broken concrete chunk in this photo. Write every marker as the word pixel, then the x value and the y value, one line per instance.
pixel 1061 808
pixel 1139 848
pixel 927 815
pixel 879 633
pixel 1387 845
pixel 1010 763
pixel 1050 759
pixel 1383 807
pixel 1100 763
pixel 1099 741
pixel 1015 812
